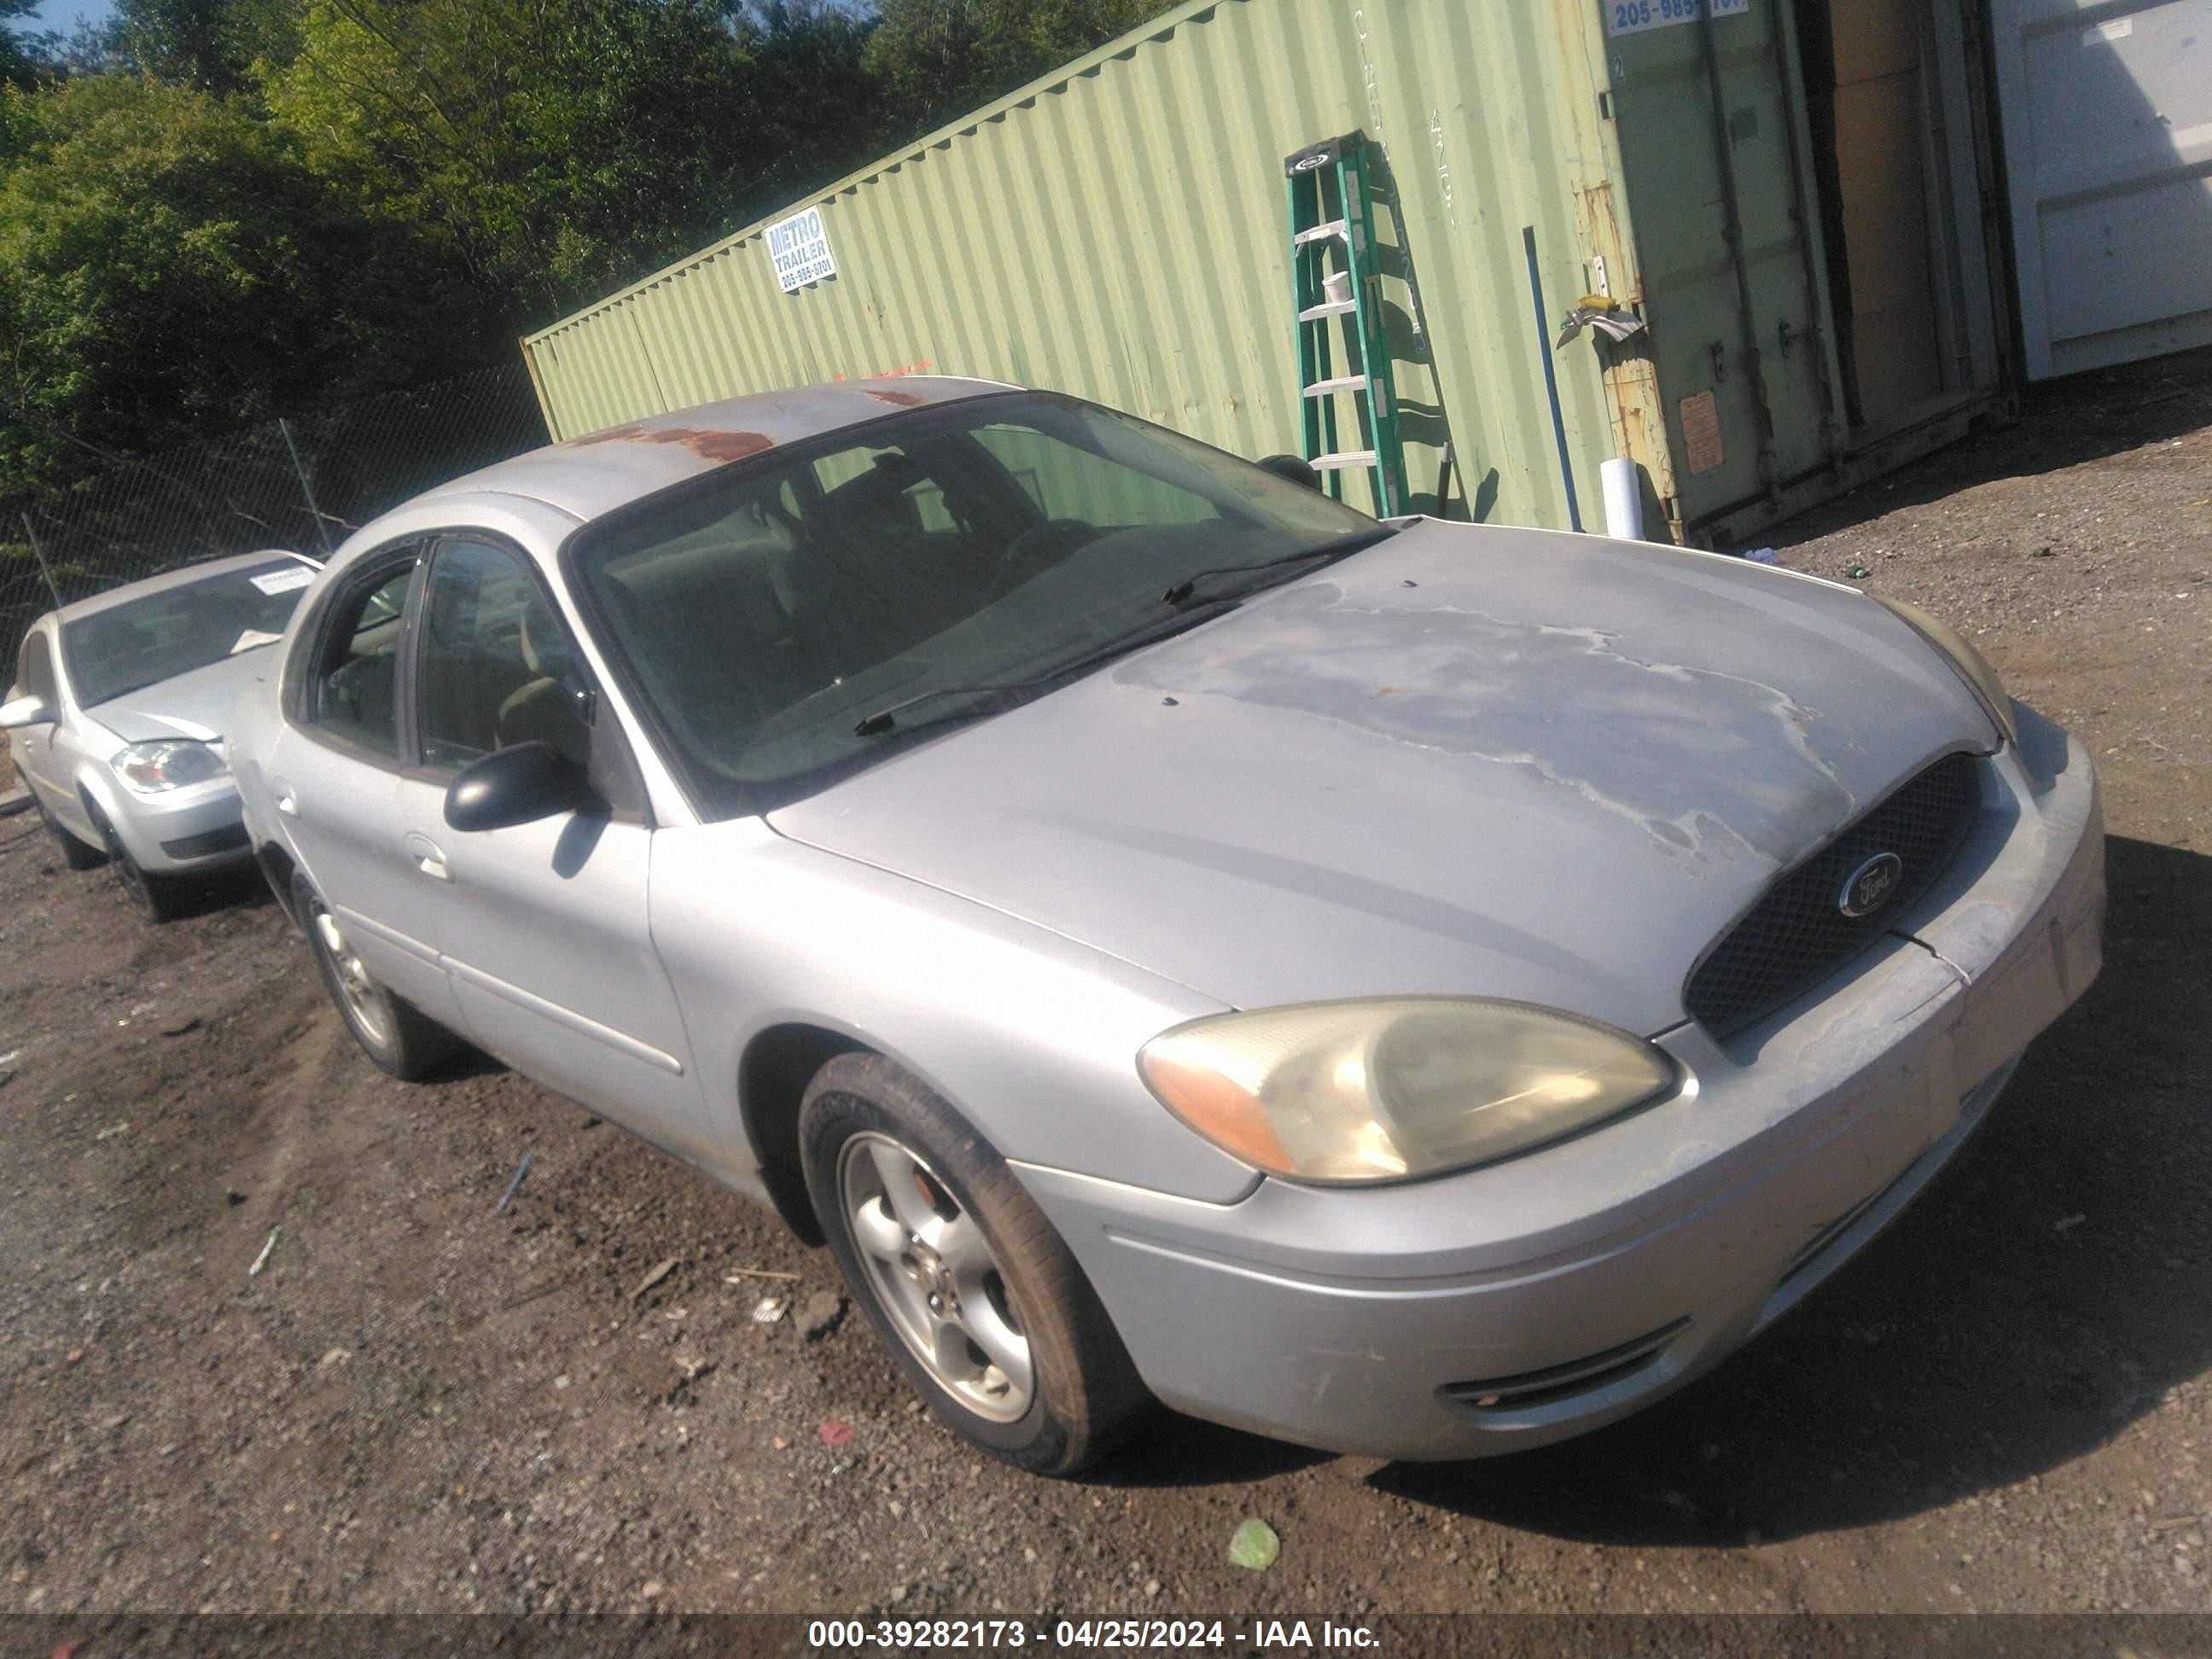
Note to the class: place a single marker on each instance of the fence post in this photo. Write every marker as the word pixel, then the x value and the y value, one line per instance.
pixel 45 569
pixel 322 532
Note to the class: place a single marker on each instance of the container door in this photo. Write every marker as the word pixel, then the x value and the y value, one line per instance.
pixel 2107 117
pixel 1710 151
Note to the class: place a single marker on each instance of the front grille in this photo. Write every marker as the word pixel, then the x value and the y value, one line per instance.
pixel 1797 935
pixel 1557 1382
pixel 230 837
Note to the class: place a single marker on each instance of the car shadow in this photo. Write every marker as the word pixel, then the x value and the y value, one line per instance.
pixel 231 887
pixel 2050 1287
pixel 1174 1450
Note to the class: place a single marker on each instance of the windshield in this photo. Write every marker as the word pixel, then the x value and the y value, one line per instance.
pixel 142 642
pixel 945 563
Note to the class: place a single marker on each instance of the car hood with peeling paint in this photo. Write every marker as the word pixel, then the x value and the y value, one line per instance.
pixel 1469 760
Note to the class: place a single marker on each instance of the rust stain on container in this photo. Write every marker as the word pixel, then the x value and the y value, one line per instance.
pixel 707 445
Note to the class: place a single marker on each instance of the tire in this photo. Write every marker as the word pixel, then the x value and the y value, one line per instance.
pixel 400 1038
pixel 75 854
pixel 156 896
pixel 870 1137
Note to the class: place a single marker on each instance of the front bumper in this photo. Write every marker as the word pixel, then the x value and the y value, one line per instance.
pixel 1507 1307
pixel 195 827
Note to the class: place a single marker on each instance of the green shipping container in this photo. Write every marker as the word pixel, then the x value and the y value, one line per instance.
pixel 1796 198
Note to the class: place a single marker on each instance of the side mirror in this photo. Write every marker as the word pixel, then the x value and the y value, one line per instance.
pixel 26 710
pixel 1296 468
pixel 520 784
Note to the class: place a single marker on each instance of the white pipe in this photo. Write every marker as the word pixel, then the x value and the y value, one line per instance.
pixel 1623 499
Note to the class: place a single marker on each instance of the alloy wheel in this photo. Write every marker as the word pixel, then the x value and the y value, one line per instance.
pixel 362 1000
pixel 933 1273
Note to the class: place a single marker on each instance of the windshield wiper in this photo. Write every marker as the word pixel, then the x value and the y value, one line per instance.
pixel 1328 549
pixel 886 720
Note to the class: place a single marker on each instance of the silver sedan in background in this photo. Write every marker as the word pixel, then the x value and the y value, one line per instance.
pixel 115 720
pixel 1409 987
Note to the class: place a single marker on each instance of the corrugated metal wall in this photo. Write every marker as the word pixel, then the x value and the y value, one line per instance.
pixel 1118 231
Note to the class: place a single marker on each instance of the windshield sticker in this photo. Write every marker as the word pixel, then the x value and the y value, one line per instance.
pixel 284 581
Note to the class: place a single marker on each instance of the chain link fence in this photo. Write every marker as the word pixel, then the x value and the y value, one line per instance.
pixel 303 483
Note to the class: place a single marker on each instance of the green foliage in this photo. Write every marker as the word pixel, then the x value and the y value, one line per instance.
pixel 554 146
pixel 168 267
pixel 213 210
pixel 22 53
pixel 211 44
pixel 938 58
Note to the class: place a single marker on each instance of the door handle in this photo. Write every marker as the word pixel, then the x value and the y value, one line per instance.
pixel 426 855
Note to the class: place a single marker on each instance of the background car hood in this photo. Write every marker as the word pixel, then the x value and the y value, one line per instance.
pixel 1469 760
pixel 193 705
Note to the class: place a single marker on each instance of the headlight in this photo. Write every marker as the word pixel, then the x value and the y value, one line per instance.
pixel 153 768
pixel 1356 1091
pixel 1970 665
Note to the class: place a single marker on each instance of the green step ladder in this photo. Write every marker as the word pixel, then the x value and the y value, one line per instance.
pixel 1333 277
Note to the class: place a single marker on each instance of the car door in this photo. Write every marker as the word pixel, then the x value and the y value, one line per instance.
pixel 334 774
pixel 543 926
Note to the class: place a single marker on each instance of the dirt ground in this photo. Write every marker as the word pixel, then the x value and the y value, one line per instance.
pixel 421 1403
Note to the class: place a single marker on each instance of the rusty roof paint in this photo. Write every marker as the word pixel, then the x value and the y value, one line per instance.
pixel 703 442
pixel 900 399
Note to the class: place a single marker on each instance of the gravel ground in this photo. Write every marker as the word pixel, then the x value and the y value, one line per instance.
pixel 423 1403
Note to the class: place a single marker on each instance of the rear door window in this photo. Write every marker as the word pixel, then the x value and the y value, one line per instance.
pixel 353 691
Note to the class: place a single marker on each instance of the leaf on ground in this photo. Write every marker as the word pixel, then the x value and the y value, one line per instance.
pixel 1254 1545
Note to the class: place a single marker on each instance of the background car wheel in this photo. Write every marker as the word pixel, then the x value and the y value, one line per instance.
pixel 398 1037
pixel 964 1280
pixel 155 895
pixel 75 854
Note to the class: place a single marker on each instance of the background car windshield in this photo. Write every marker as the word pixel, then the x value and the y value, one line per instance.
pixel 144 641
pixel 765 611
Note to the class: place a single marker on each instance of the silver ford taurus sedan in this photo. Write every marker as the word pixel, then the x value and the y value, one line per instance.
pixel 115 721
pixel 1406 987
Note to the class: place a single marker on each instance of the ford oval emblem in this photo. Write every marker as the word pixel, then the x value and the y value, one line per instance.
pixel 1872 885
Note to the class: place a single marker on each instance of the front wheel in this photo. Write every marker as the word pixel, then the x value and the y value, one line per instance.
pixel 156 896
pixel 397 1036
pixel 964 1280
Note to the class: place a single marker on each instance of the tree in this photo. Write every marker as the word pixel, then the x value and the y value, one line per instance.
pixel 554 147
pixel 937 59
pixel 169 267
pixel 22 53
pixel 211 44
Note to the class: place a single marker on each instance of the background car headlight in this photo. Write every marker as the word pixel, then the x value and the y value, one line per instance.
pixel 1379 1091
pixel 1970 665
pixel 151 769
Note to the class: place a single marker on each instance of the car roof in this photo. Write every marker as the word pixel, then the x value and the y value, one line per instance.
pixel 182 576
pixel 589 476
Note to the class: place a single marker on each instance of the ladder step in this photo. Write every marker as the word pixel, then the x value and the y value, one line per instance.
pixel 1328 308
pixel 1343 463
pixel 1335 228
pixel 1341 383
